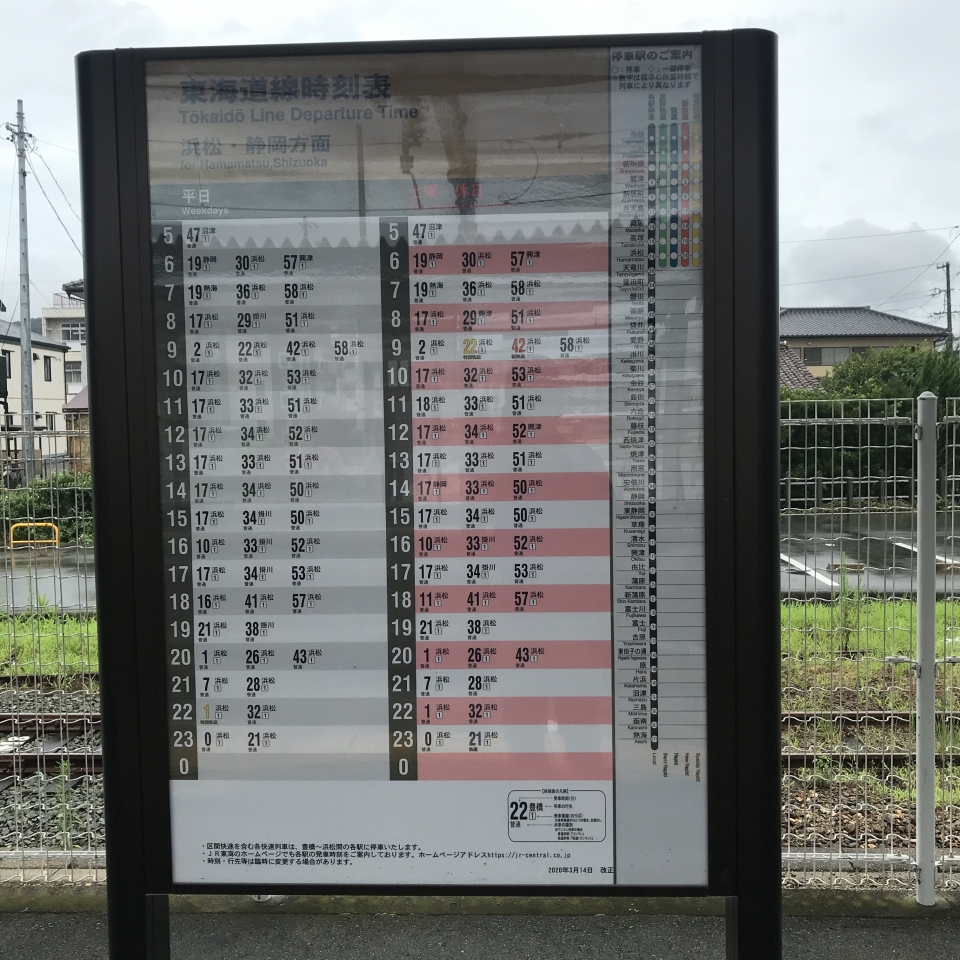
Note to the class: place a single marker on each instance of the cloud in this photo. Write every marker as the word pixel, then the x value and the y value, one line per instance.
pixel 859 263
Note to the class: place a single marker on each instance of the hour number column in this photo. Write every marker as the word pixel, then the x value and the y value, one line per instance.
pixel 175 498
pixel 658 177
pixel 398 477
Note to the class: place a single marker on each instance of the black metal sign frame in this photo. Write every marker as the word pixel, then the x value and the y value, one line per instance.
pixel 740 425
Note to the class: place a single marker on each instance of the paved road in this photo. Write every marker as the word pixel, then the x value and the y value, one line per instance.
pixel 299 937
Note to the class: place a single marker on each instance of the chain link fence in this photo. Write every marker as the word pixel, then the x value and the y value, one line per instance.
pixel 848 639
pixel 51 792
pixel 848 584
pixel 948 648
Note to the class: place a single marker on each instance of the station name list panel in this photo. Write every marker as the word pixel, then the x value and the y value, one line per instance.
pixel 429 359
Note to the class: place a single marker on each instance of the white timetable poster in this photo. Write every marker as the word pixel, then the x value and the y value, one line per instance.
pixel 430 389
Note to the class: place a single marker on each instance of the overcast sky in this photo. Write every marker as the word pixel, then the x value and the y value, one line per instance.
pixel 869 129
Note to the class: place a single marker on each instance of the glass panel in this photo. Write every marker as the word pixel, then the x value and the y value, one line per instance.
pixel 429 376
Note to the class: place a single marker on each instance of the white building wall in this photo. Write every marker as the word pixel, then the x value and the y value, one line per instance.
pixel 49 397
pixel 54 319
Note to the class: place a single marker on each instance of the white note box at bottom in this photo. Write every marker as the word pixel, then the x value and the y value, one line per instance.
pixel 557 814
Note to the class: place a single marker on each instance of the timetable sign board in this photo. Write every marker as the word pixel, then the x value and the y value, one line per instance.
pixel 429 356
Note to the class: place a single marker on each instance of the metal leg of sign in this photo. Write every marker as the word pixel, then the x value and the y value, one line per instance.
pixel 140 928
pixel 753 926
pixel 731 928
pixel 138 923
pixel 157 924
pixel 756 931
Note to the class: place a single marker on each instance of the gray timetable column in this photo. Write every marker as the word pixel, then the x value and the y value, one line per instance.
pixel 286 480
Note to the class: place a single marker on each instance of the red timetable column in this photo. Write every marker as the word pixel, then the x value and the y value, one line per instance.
pixel 509 344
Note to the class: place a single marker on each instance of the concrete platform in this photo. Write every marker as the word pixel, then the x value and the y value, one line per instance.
pixel 366 937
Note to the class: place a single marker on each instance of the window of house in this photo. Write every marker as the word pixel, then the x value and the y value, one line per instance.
pixel 51 421
pixel 48 369
pixel 73 371
pixel 75 330
pixel 831 356
pixel 826 356
pixel 8 362
pixel 859 351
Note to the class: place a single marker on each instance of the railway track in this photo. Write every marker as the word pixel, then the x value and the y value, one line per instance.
pixel 873 717
pixel 44 742
pixel 852 752
pixel 43 722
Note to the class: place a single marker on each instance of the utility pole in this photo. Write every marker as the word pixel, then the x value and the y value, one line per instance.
pixel 946 268
pixel 19 136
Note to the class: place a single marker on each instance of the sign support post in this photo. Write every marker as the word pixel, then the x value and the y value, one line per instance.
pixel 756 427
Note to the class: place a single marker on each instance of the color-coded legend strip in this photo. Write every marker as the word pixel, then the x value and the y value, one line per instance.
pixel 696 195
pixel 663 196
pixel 674 193
pixel 685 195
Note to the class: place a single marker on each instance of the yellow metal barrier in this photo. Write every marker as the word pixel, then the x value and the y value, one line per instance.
pixel 56 534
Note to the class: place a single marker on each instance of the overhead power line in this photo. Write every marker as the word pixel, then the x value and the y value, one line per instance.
pixel 855 276
pixel 52 207
pixel 42 294
pixel 10 317
pixel 6 248
pixel 866 236
pixel 57 280
pixel 922 272
pixel 57 182
pixel 921 295
pixel 924 297
pixel 57 145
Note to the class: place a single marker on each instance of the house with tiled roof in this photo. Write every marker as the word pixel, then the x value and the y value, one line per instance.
pixel 793 374
pixel 822 337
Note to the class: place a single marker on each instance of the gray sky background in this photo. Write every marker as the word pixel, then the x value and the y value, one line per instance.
pixel 869 125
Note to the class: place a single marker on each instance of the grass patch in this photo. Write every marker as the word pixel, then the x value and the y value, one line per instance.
pixel 50 645
pixel 833 653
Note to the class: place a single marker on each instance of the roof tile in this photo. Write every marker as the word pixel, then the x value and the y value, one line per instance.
pixel 793 374
pixel 10 333
pixel 851 322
